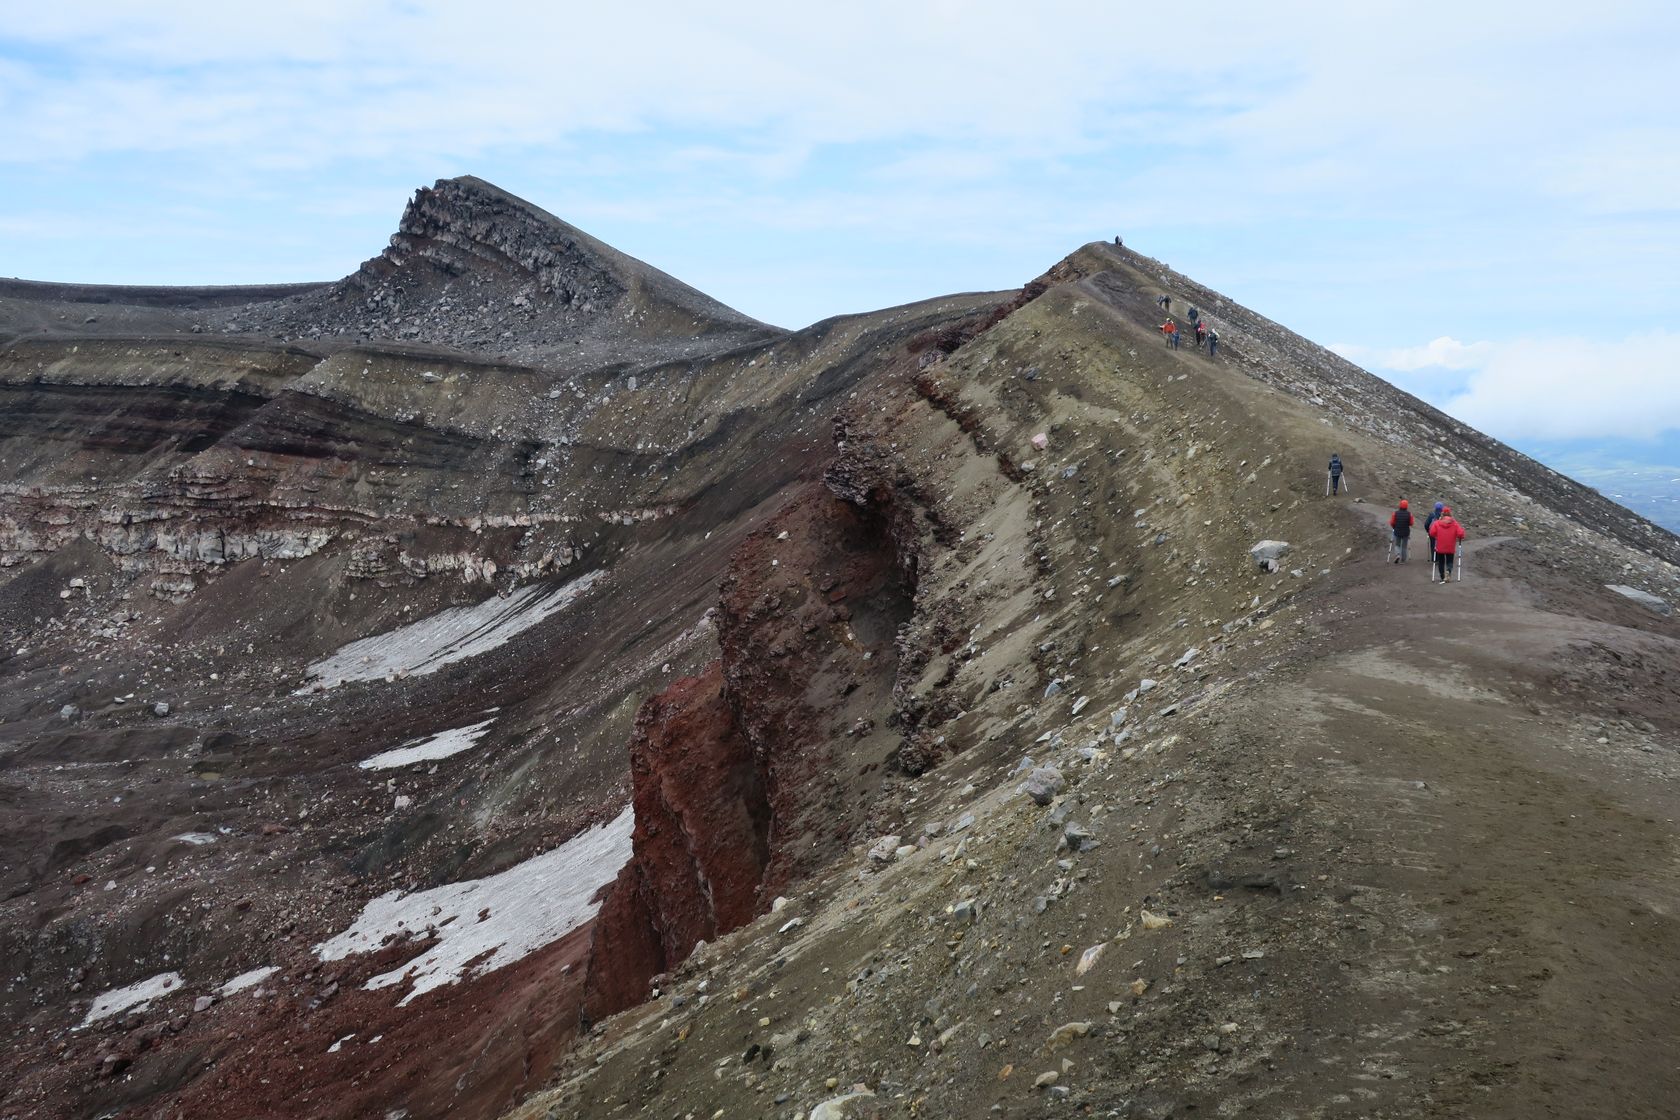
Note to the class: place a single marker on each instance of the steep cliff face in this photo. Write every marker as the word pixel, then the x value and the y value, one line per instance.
pixel 762 769
pixel 702 816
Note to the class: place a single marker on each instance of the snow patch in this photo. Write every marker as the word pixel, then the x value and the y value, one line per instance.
pixel 449 636
pixel 139 994
pixel 196 839
pixel 441 745
pixel 524 908
pixel 247 980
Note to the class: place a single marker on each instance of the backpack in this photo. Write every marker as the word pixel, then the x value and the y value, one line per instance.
pixel 1403 520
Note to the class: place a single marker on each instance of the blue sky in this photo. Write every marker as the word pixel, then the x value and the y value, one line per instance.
pixel 1480 201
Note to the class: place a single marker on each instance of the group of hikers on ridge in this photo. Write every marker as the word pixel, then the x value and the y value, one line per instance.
pixel 1441 527
pixel 1203 332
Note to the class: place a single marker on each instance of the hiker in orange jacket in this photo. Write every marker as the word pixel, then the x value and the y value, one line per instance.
pixel 1446 532
pixel 1170 329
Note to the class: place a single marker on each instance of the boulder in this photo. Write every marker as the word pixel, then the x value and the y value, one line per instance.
pixel 1643 598
pixel 1043 784
pixel 1078 838
pixel 1266 554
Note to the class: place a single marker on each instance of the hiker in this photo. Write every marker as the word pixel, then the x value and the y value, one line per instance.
pixel 1117 241
pixel 1170 329
pixel 1428 524
pixel 1335 474
pixel 1201 334
pixel 1401 522
pixel 1213 342
pixel 1192 315
pixel 1446 533
pixel 1166 303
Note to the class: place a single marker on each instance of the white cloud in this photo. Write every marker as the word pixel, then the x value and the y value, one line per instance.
pixel 1563 388
pixel 1566 387
pixel 1360 91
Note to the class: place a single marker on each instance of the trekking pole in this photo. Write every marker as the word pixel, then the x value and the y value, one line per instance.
pixel 1326 484
pixel 1459 575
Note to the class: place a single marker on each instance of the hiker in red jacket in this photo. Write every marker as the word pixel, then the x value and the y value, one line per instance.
pixel 1401 522
pixel 1445 533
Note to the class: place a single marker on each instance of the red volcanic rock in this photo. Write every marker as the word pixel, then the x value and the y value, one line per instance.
pixel 701 817
pixel 743 778
pixel 801 664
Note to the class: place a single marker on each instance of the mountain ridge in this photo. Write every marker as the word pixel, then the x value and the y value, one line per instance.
pixel 792 595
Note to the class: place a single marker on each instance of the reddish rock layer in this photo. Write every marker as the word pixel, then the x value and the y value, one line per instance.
pixel 700 839
pixel 758 771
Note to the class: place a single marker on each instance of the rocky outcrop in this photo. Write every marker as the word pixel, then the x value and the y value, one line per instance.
pixel 475 268
pixel 758 771
pixel 701 840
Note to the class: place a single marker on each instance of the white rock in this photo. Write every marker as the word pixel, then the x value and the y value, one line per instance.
pixel 1643 598
pixel 847 1106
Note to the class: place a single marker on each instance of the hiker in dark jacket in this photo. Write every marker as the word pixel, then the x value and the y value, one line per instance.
pixel 1335 474
pixel 1213 342
pixel 1428 524
pixel 1401 522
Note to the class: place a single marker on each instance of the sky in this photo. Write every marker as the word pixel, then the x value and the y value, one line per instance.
pixel 1479 201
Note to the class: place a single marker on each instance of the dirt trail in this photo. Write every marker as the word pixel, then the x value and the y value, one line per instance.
pixel 1533 855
